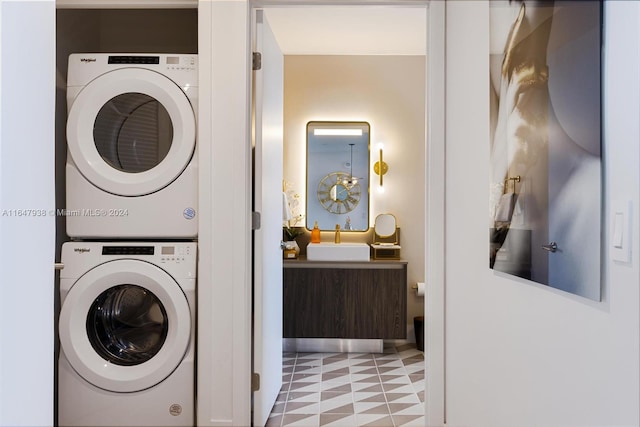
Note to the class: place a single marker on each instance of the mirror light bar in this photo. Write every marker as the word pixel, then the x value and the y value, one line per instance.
pixel 337 132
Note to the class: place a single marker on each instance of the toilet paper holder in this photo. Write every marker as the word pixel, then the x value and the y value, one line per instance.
pixel 419 288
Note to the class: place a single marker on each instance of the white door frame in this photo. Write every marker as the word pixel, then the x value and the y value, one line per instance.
pixel 435 197
pixel 435 384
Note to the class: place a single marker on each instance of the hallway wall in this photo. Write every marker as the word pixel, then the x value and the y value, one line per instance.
pixel 520 353
pixel 27 241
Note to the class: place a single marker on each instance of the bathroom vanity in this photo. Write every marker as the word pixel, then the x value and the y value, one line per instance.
pixel 349 300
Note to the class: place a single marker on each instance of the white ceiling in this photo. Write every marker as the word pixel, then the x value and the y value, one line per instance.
pixel 354 30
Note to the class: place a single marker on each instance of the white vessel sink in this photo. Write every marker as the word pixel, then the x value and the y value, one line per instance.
pixel 338 252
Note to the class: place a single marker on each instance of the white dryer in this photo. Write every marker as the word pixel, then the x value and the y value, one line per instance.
pixel 131 137
pixel 127 332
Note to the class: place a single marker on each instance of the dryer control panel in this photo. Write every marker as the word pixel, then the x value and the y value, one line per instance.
pixel 171 62
pixel 181 68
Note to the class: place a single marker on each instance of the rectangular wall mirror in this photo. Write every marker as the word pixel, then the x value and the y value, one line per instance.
pixel 338 175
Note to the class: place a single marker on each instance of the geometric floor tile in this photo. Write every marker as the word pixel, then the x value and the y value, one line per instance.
pixel 351 389
pixel 408 420
pixel 341 420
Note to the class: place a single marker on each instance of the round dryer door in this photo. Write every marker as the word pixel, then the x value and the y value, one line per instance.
pixel 125 325
pixel 131 131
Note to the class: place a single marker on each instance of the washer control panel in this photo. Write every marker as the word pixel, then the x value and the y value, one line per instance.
pixel 177 258
pixel 174 253
pixel 164 253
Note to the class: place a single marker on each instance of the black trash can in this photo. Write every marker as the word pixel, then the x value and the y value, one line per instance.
pixel 418 327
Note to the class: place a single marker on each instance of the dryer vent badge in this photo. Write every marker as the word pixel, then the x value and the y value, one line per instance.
pixel 189 213
pixel 175 409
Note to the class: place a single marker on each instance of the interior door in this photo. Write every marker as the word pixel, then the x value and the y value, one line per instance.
pixel 267 258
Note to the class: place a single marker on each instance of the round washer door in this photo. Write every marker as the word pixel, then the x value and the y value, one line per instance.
pixel 125 325
pixel 131 131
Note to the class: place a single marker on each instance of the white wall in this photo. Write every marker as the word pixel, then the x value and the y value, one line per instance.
pixel 389 93
pixel 519 353
pixel 27 93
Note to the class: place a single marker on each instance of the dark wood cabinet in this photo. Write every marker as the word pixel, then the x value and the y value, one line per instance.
pixel 345 300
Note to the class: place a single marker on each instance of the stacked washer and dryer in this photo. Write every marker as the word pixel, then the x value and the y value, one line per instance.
pixel 128 287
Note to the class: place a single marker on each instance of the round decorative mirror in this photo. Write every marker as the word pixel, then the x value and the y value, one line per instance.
pixel 335 196
pixel 385 225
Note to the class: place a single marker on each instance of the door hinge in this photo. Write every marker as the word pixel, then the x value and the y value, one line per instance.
pixel 255 220
pixel 257 61
pixel 255 382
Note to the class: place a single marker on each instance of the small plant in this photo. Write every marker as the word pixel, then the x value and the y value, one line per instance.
pixel 291 229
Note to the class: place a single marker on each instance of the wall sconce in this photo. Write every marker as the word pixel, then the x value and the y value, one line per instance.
pixel 380 168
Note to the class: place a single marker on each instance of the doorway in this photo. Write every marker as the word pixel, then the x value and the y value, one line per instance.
pixel 404 191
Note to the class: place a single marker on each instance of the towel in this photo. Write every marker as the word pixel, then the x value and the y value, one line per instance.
pixel 505 207
pixel 286 212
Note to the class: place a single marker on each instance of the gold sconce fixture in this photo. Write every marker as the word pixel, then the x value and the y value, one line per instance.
pixel 380 168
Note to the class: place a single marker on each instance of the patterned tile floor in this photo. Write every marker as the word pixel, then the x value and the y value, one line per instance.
pixel 352 389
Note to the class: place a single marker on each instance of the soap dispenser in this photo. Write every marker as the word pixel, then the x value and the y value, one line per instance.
pixel 315 233
pixel 337 239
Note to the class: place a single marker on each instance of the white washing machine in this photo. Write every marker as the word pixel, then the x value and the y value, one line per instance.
pixel 127 334
pixel 131 136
